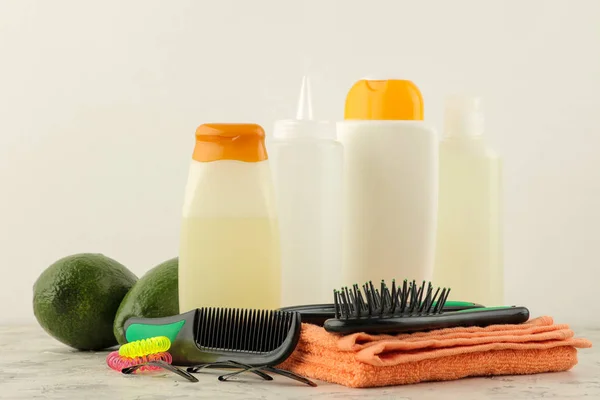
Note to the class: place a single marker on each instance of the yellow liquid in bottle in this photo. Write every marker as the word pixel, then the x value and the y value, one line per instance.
pixel 229 262
pixel 469 244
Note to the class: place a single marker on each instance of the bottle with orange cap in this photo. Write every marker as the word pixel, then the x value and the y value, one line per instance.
pixel 390 183
pixel 229 250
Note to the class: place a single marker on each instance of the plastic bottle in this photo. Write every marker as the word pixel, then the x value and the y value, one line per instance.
pixel 390 181
pixel 307 169
pixel 229 254
pixel 469 243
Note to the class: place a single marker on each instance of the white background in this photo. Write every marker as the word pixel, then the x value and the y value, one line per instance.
pixel 99 102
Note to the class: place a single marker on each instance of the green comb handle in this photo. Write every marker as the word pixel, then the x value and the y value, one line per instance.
pixel 144 328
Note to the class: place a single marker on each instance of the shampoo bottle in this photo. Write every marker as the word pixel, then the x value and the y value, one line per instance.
pixel 229 254
pixel 469 243
pixel 390 183
pixel 307 169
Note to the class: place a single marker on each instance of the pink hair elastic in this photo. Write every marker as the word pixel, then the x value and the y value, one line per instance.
pixel 118 362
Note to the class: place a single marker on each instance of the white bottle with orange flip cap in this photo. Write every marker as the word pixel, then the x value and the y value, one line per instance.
pixel 390 183
pixel 229 254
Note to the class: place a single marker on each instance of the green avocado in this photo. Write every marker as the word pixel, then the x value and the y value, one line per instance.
pixel 154 295
pixel 76 298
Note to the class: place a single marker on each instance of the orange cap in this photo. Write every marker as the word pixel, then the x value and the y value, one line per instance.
pixel 242 142
pixel 384 100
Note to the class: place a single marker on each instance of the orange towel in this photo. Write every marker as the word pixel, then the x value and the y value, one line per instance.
pixel 362 360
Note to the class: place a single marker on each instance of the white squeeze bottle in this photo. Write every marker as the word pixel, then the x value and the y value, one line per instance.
pixel 229 254
pixel 307 168
pixel 390 181
pixel 469 243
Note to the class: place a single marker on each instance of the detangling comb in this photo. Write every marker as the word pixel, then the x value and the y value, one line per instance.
pixel 246 339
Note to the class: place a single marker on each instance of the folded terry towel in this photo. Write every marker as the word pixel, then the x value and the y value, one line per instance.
pixel 363 360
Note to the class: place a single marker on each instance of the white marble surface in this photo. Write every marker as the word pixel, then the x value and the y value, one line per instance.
pixel 33 365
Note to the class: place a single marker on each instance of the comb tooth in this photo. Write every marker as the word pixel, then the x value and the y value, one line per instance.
pixel 238 328
pixel 276 329
pixel 336 304
pixel 213 322
pixel 215 327
pixel 245 333
pixel 201 326
pixel 259 323
pixel 263 330
pixel 251 329
pixel 255 330
pixel 205 321
pixel 284 320
pixel 220 331
pixel 232 329
pixel 270 328
pixel 278 325
pixel 266 327
pixel 208 327
pixel 225 328
pixel 258 339
pixel 218 328
pixel 221 336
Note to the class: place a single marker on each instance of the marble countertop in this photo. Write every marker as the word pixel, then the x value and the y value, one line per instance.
pixel 33 365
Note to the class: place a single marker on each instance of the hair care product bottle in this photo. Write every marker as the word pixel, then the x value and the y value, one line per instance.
pixel 469 243
pixel 229 254
pixel 307 168
pixel 390 183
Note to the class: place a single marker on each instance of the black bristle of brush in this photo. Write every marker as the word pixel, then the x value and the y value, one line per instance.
pixel 407 300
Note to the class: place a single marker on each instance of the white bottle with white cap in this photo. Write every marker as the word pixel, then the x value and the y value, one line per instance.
pixel 306 161
pixel 469 240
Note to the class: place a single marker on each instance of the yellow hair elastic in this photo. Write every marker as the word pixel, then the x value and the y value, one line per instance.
pixel 145 347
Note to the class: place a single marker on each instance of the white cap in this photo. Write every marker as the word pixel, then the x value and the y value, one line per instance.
pixel 463 116
pixel 304 125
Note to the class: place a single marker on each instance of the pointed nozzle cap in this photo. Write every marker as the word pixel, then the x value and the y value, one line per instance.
pixel 304 126
pixel 304 111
